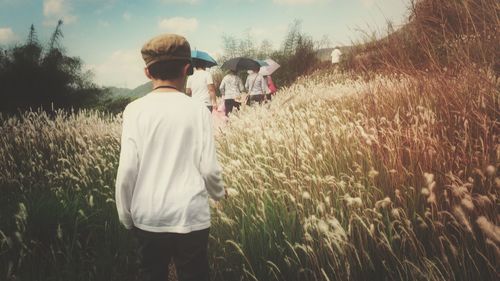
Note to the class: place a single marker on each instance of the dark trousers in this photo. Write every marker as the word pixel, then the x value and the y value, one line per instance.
pixel 229 104
pixel 188 251
pixel 255 98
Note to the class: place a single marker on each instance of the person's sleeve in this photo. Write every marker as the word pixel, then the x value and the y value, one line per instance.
pixel 240 85
pixel 127 173
pixel 263 83
pixel 188 83
pixel 209 166
pixel 210 80
pixel 222 86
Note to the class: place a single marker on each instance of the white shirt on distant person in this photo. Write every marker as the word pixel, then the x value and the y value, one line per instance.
pixel 168 164
pixel 231 86
pixel 336 56
pixel 198 83
pixel 256 84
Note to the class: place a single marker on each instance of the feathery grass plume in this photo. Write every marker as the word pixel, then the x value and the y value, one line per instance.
pixel 491 170
pixel 467 203
pixel 462 218
pixel 489 229
pixel 383 204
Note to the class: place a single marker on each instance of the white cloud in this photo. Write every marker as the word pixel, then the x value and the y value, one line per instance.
pixel 54 10
pixel 7 35
pixel 123 68
pixel 298 2
pixel 178 25
pixel 127 16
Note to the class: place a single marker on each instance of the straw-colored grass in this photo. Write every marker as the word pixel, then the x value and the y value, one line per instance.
pixel 395 178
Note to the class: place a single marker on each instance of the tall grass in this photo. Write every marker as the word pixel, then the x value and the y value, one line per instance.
pixel 440 36
pixel 58 218
pixel 340 179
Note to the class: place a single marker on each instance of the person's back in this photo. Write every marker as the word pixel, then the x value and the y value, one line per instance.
pixel 167 129
pixel 200 86
pixel 231 86
pixel 256 84
pixel 168 167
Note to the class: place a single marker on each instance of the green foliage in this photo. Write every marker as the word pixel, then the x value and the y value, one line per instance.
pixel 297 56
pixel 32 76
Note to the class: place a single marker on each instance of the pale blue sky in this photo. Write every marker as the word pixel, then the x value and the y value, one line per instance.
pixel 108 34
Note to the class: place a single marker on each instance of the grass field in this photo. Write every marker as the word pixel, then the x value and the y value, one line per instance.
pixel 386 170
pixel 339 178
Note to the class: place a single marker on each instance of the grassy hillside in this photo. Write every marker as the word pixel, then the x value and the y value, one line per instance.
pixel 343 176
pixel 137 92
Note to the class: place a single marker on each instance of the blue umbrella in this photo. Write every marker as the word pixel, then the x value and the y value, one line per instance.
pixel 262 62
pixel 203 57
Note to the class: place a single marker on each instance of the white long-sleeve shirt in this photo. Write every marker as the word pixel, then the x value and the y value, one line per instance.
pixel 256 84
pixel 168 164
pixel 231 86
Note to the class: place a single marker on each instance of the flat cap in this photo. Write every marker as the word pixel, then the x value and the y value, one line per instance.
pixel 166 47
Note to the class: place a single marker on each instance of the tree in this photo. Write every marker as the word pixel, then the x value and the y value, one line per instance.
pixel 33 77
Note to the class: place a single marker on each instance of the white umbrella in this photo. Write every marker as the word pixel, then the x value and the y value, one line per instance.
pixel 270 68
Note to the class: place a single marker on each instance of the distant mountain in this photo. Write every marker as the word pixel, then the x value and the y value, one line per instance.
pixel 131 93
pixel 141 90
pixel 119 92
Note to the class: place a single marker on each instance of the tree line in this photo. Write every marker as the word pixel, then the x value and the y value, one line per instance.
pixel 34 76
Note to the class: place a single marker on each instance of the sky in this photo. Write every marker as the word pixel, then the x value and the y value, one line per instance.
pixel 108 34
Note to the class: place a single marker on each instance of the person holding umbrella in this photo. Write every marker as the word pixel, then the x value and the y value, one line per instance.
pixel 266 71
pixel 231 87
pixel 256 86
pixel 200 85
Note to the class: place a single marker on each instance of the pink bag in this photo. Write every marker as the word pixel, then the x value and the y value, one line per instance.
pixel 270 85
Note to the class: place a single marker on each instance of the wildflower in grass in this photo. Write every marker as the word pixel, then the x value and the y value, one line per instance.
pixel 323 227
pixel 320 208
pixel 396 213
pixel 306 195
pixel 467 203
pixel 491 170
pixel 429 178
pixel 489 229
pixel 355 202
pixel 483 201
pixel 231 192
pixel 59 232
pixel 382 204
pixel 462 218
pixel 308 237
pixel 373 173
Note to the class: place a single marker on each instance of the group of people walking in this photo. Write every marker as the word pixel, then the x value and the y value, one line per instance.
pixel 201 85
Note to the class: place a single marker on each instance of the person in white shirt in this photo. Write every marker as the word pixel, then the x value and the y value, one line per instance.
pixel 200 85
pixel 336 53
pixel 168 167
pixel 231 87
pixel 256 86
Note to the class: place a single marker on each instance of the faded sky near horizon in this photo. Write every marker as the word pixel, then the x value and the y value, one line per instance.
pixel 108 34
